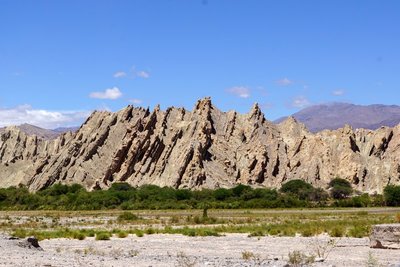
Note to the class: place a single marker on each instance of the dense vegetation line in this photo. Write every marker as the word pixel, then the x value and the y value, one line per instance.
pixel 293 194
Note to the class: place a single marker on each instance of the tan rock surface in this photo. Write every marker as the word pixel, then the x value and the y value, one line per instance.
pixel 204 148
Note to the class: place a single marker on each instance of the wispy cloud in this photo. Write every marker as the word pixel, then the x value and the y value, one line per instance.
pixel 239 91
pixel 143 74
pixel 135 101
pixel 111 93
pixel 41 117
pixel 132 73
pixel 300 102
pixel 120 74
pixel 338 92
pixel 284 82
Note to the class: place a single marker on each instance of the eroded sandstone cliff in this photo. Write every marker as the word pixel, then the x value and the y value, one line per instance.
pixel 203 148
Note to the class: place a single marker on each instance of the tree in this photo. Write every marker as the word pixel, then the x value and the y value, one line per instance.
pixel 340 188
pixel 240 189
pixel 121 187
pixel 222 194
pixel 298 188
pixel 391 194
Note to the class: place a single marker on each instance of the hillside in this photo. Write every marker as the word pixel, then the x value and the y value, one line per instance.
pixel 203 148
pixel 45 134
pixel 337 115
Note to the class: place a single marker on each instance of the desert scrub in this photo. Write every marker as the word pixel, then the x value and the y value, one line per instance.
pixel 298 259
pixel 103 236
pixel 257 233
pixel 359 231
pixel 79 235
pixel 247 255
pixel 337 232
pixel 139 233
pixel 122 234
pixel 127 216
pixel 150 231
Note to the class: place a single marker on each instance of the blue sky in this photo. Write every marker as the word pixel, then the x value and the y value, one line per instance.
pixel 59 60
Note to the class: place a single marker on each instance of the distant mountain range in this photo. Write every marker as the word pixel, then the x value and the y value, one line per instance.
pixel 46 134
pixel 336 115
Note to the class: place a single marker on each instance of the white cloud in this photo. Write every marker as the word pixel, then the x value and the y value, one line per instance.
pixel 239 91
pixel 40 117
pixel 143 74
pixel 300 102
pixel 111 93
pixel 136 101
pixel 338 92
pixel 119 74
pixel 284 82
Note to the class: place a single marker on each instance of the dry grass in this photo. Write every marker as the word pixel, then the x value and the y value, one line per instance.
pixel 257 223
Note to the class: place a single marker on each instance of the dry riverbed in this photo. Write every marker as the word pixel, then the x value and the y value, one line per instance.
pixel 179 250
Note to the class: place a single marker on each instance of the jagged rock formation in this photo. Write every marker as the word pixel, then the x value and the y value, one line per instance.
pixel 204 148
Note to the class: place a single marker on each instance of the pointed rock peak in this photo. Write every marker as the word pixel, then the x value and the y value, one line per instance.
pixel 157 108
pixel 290 120
pixel 347 129
pixel 128 108
pixel 255 107
pixel 256 112
pixel 292 123
pixel 204 103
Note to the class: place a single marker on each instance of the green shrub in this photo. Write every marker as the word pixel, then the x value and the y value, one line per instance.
pixel 139 233
pixel 359 231
pixel 337 232
pixel 103 236
pixel 150 231
pixel 257 233
pixel 340 188
pixel 240 189
pixel 122 234
pixel 127 216
pixel 79 235
pixel 183 194
pixel 121 187
pixel 298 188
pixel 391 195
pixel 222 194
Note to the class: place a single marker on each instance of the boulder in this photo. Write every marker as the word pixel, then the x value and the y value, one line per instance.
pixel 385 236
pixel 31 243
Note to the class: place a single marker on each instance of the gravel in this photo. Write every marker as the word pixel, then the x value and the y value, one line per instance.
pixel 177 250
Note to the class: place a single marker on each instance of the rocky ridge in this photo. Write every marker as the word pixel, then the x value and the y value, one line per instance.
pixel 203 148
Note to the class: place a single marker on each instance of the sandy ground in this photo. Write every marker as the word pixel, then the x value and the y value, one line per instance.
pixel 178 250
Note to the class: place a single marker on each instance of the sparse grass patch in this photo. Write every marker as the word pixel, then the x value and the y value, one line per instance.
pixel 183 260
pixel 257 233
pixel 103 236
pixel 127 216
pixel 247 255
pixel 79 235
pixel 139 233
pixel 122 234
pixel 298 259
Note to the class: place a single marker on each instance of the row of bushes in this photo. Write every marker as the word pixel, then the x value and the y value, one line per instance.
pixel 293 194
